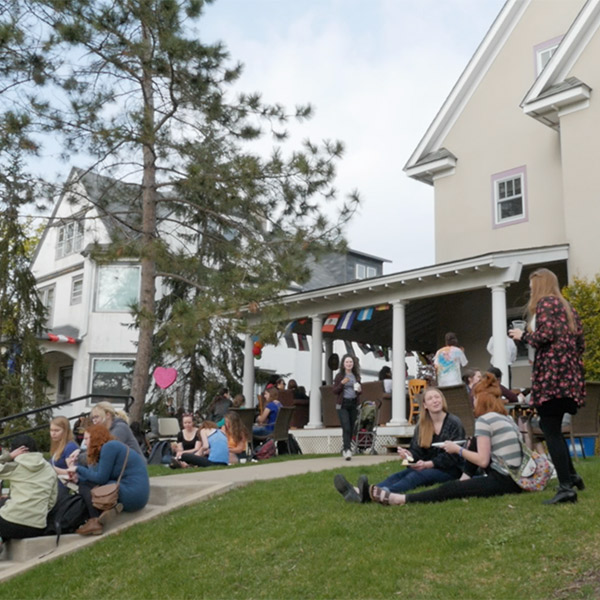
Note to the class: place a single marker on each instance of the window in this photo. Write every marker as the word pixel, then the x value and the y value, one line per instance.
pixel 509 197
pixel 361 271
pixel 117 288
pixel 76 289
pixel 47 297
pixel 70 238
pixel 543 53
pixel 371 272
pixel 111 376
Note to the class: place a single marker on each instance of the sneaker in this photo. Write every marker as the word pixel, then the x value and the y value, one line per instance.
pixel 345 488
pixel 347 454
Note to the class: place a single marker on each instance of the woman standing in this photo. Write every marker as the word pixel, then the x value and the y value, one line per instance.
pixel 428 464
pixel 557 382
pixel 347 388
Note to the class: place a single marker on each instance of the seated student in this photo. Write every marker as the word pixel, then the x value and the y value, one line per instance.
pixel 385 376
pixel 187 441
pixel 104 413
pixel 106 457
pixel 238 401
pixel 61 445
pixel 219 406
pixel 298 390
pixel 497 438
pixel 214 450
pixel 471 377
pixel 237 437
pixel 266 420
pixel 431 464
pixel 33 490
pixel 507 395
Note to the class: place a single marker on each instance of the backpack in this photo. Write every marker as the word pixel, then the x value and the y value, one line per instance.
pixel 161 453
pixel 265 450
pixel 69 512
pixel 292 446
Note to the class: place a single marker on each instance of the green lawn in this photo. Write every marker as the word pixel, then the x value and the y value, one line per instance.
pixel 296 538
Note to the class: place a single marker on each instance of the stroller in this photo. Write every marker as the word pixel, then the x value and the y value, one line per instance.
pixel 365 428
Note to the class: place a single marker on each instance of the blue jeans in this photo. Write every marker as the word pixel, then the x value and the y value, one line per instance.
pixel 409 479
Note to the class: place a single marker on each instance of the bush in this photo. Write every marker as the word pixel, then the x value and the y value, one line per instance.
pixel 584 296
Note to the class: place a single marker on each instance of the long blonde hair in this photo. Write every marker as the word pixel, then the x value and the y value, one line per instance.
pixel 57 447
pixel 426 429
pixel 545 283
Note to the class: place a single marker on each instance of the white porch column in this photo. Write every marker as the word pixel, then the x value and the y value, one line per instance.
pixel 499 333
pixel 248 381
pixel 315 420
pixel 328 353
pixel 398 362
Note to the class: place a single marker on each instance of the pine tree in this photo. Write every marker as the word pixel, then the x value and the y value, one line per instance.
pixel 154 106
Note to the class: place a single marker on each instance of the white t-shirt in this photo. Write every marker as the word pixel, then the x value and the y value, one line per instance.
pixel 448 361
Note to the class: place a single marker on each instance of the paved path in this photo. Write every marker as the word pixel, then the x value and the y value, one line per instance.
pixel 167 494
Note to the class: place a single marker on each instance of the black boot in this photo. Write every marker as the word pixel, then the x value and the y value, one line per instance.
pixel 564 494
pixel 577 481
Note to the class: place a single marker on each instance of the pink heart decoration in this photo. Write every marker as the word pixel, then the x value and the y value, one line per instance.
pixel 164 377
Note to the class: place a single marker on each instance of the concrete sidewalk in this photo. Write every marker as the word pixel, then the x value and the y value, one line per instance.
pixel 167 494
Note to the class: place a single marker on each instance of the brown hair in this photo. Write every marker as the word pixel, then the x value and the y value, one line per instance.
pixel 545 283
pixel 488 397
pixel 209 425
pixel 425 423
pixel 273 393
pixel 56 448
pixel 99 435
pixel 234 428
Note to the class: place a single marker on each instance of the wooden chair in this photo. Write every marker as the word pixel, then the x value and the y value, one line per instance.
pixel 281 429
pixel 247 416
pixel 459 404
pixel 415 388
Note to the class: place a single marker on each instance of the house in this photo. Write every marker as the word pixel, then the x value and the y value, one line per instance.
pixel 511 161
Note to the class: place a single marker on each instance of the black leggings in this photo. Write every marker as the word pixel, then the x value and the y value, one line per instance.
pixel 85 491
pixel 199 461
pixel 347 415
pixel 14 531
pixel 551 415
pixel 495 484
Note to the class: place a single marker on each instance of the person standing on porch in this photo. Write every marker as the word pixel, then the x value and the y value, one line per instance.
pixel 347 388
pixel 555 333
pixel 448 362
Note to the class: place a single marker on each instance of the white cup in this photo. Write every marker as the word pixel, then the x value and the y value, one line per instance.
pixel 357 387
pixel 519 324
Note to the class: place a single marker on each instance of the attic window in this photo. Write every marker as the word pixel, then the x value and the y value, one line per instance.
pixel 509 193
pixel 70 238
pixel 543 53
pixel 363 271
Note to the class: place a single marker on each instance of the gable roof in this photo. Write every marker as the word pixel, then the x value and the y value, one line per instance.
pixel 464 88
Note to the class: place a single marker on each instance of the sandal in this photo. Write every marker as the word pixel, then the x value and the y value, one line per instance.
pixel 379 495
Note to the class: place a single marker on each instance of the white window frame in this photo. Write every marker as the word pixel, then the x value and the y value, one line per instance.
pixel 371 272
pixel 360 271
pixel 69 238
pixel 76 290
pixel 95 360
pixel 543 50
pixel 99 280
pixel 47 296
pixel 504 178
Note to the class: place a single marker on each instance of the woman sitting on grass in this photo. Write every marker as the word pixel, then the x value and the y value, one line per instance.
pixel 214 450
pixel 497 438
pixel 188 441
pixel 237 437
pixel 427 464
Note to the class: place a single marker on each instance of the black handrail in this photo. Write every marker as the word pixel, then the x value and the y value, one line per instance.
pixel 128 401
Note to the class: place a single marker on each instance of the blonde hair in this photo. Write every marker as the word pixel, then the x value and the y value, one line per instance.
pixel 545 283
pixel 426 429
pixel 57 447
pixel 104 408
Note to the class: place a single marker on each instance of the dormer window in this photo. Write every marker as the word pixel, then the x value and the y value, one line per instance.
pixel 364 271
pixel 509 191
pixel 69 238
pixel 543 53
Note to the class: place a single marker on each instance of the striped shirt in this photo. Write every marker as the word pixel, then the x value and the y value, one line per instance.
pixel 504 437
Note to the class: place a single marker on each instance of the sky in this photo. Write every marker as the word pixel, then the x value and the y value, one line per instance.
pixel 376 73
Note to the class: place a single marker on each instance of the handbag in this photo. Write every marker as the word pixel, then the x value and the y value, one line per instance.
pixel 533 473
pixel 105 497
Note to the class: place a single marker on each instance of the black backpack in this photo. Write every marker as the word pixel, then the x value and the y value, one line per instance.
pixel 161 453
pixel 69 513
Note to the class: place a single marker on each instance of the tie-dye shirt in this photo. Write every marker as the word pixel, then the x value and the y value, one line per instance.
pixel 448 361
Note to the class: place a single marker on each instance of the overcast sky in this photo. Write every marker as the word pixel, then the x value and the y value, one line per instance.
pixel 376 72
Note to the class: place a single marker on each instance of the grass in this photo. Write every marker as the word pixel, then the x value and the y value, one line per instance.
pixel 296 538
